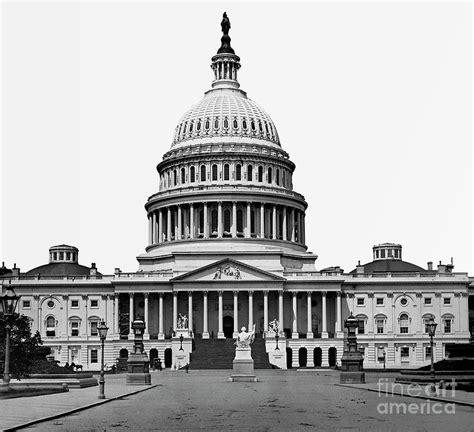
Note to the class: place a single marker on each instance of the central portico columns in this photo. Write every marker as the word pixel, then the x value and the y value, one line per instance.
pixel 146 334
pixel 220 333
pixel 265 312
pixel 280 310
pixel 294 334
pixel 338 316
pixel 175 311
pixel 250 311
pixel 190 311
pixel 205 329
pixel 324 333
pixel 161 334
pixel 236 314
pixel 132 317
pixel 309 333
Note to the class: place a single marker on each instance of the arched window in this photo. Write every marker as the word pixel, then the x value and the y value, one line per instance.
pixel 249 172
pixel 203 173
pixel 207 124
pixel 183 176
pixel 277 178
pixel 404 323
pixel 244 124
pixel 214 223
pixel 192 174
pixel 216 123
pixel 214 172
pixel 362 320
pixel 240 225
pixel 284 178
pixel 50 326
pixel 198 127
pixel 227 222
pixel 260 174
pixel 270 175
pixel 235 124
pixel 226 172
pixel 175 178
pixel 201 224
pixel 238 172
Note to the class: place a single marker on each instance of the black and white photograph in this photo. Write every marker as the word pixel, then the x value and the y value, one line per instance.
pixel 221 216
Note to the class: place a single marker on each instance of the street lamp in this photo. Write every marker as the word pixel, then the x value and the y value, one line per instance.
pixel 102 329
pixel 8 302
pixel 181 341
pixel 277 336
pixel 431 326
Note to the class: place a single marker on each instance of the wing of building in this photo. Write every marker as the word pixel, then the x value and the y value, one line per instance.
pixel 227 249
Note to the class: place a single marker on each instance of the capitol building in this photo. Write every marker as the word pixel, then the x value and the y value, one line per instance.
pixel 226 249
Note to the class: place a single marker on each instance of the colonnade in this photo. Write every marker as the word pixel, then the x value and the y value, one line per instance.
pixel 250 301
pixel 226 219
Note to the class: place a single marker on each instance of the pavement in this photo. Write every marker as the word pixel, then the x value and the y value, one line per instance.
pixel 206 400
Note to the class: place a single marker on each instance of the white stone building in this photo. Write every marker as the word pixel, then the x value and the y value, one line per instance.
pixel 227 249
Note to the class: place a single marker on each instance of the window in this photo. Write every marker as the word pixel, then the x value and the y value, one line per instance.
pixel 269 175
pixel 175 178
pixel 379 324
pixel 382 253
pixel 94 356
pixel 447 325
pixel 249 172
pixel 192 174
pixel 75 303
pixel 361 327
pixel 94 303
pixel 380 354
pixel 61 256
pixel 203 173
pixel 214 172
pixel 405 354
pixel 26 304
pixel 427 300
pixel 50 326
pixel 396 253
pixel 403 301
pixel 238 172
pixel 362 350
pixel 428 353
pixel 404 323
pixel 379 301
pixel 360 301
pixel 94 331
pixel 226 221
pixel 68 256
pixel 447 300
pixel 226 172
pixel 277 177
pixel 74 328
pixel 427 319
pixel 183 176
pixel 50 304
pixel 260 174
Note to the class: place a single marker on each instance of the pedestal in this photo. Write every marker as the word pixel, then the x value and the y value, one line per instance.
pixel 243 370
pixel 138 370
pixel 351 368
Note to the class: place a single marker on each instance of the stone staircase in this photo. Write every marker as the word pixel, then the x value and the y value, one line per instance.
pixel 219 354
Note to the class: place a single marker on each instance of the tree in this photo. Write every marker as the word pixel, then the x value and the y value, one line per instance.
pixel 26 350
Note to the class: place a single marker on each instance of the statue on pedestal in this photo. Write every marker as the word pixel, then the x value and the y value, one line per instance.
pixel 243 368
pixel 244 338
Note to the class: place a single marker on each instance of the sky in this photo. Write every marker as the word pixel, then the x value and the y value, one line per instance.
pixel 372 101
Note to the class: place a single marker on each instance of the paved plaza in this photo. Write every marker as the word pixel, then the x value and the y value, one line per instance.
pixel 281 400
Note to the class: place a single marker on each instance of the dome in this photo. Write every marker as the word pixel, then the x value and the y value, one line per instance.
pixel 60 269
pixel 226 113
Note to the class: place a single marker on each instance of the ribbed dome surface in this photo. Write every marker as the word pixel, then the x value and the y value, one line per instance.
pixel 225 113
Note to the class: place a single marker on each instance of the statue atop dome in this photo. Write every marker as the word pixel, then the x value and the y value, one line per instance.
pixel 225 40
pixel 225 24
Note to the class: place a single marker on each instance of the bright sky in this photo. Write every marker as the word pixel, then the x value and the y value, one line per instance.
pixel 373 102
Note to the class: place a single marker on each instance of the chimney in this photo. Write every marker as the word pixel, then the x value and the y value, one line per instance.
pixel 15 271
pixel 441 268
pixel 359 268
pixel 93 270
pixel 430 265
pixel 117 270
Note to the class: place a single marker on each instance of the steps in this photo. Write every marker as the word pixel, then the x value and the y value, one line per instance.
pixel 219 354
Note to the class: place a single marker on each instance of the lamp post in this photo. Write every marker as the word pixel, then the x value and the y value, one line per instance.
pixel 102 329
pixel 8 302
pixel 277 336
pixel 431 325
pixel 181 341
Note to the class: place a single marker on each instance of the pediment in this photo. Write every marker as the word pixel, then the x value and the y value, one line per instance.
pixel 227 270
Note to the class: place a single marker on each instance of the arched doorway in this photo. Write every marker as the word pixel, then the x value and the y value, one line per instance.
pixel 289 358
pixel 153 356
pixel 228 326
pixel 332 353
pixel 168 357
pixel 123 353
pixel 303 356
pixel 318 356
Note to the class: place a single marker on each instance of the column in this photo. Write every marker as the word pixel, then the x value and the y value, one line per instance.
pixel 293 225
pixel 150 230
pixel 248 233
pixel 38 314
pixel 274 222
pixel 175 311
pixel 220 229
pixel 65 310
pixel 180 224
pixel 161 334
pixel 309 332
pixel 205 330
pixel 206 223
pixel 168 225
pixel 284 224
pixel 338 315
pixel 234 219
pixel 265 312
pixel 191 221
pixel 116 315
pixel 250 311
pixel 160 228
pixel 146 334
pixel 190 311
pixel 220 333
pixel 280 310
pixel 153 229
pixel 131 315
pixel 324 333
pixel 236 314
pixel 262 220
pixel 303 228
pixel 295 334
